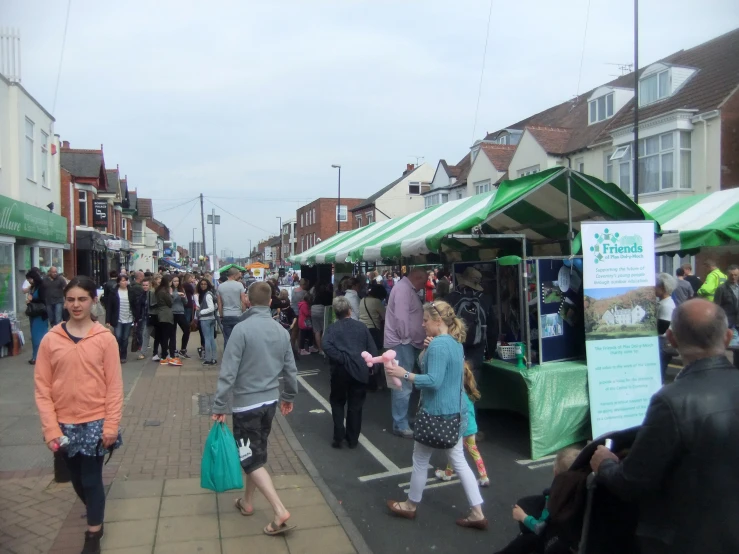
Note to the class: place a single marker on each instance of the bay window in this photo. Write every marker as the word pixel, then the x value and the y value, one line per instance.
pixel 436 199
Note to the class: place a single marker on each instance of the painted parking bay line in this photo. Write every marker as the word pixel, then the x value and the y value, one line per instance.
pixel 544 461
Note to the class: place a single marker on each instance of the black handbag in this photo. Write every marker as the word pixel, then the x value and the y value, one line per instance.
pixel 36 309
pixel 437 431
pixel 152 319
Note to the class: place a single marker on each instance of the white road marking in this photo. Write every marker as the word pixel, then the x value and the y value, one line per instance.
pixel 436 486
pixel 545 464
pixel 430 480
pixel 383 460
pixel 543 458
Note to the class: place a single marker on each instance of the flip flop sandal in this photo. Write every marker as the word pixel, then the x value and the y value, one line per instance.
pixel 395 508
pixel 284 528
pixel 481 524
pixel 240 507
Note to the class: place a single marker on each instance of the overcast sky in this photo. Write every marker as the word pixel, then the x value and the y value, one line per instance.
pixel 251 102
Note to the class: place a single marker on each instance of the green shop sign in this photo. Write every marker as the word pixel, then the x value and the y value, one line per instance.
pixel 23 220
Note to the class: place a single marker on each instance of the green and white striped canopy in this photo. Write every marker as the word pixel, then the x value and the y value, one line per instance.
pixel 535 206
pixel 698 221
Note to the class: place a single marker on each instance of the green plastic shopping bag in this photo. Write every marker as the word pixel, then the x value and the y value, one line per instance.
pixel 220 469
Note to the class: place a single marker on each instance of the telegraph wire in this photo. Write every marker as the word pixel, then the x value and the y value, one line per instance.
pixel 482 71
pixel 61 58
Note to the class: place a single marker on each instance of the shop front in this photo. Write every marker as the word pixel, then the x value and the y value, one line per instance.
pixel 29 236
pixel 91 255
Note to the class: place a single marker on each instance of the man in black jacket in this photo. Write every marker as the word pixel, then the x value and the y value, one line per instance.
pixel 343 343
pixel 682 467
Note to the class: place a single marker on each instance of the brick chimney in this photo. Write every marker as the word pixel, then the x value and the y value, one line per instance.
pixel 409 168
pixel 65 144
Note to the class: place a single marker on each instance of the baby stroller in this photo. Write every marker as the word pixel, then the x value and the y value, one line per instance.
pixel 608 523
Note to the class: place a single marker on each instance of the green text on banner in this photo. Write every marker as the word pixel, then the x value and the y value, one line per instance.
pixel 621 340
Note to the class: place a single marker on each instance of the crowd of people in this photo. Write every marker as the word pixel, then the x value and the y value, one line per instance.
pixel 438 351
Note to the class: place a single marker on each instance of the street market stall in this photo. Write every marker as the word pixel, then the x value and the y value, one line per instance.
pixel 536 218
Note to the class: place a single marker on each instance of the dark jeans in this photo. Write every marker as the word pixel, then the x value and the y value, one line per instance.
pixel 167 336
pixel 55 313
pixel 228 323
pixel 122 332
pixel 183 323
pixel 306 338
pixel 86 473
pixel 346 390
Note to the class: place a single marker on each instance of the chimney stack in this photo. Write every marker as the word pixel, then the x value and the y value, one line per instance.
pixel 65 144
pixel 409 168
pixel 10 54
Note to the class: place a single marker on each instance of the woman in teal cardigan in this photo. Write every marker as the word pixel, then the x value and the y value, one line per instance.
pixel 440 381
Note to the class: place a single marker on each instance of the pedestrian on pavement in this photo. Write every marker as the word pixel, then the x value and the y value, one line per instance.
pixel 179 301
pixel 145 329
pixel 404 333
pixel 297 294
pixel 257 356
pixel 121 312
pixel 109 286
pixel 344 342
pixel 430 286
pixel 153 320
pixel 305 324
pixel 54 292
pixel 353 286
pixel 666 285
pixel 79 396
pixel 372 312
pixel 165 326
pixel 714 280
pixel 323 297
pixel 681 468
pixel 36 306
pixel 231 302
pixel 471 395
pixel 207 319
pixel 684 290
pixel 727 296
pixel 694 280
pixel 442 391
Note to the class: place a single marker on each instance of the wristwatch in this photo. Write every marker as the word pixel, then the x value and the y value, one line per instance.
pixel 406 375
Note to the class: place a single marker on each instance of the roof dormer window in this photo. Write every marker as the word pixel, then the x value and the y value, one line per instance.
pixel 654 87
pixel 503 139
pixel 600 108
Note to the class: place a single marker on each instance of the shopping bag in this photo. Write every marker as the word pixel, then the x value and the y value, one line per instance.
pixel 220 469
pixel 135 346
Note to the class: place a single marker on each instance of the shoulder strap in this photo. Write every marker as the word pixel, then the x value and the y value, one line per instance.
pixel 369 314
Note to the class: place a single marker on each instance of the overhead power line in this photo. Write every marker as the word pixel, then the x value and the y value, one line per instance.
pixel 482 70
pixel 239 218
pixel 61 58
pixel 582 56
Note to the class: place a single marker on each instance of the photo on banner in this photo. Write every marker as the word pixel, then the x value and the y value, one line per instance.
pixel 620 322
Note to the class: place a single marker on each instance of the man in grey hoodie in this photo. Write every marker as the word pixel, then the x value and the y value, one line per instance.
pixel 257 355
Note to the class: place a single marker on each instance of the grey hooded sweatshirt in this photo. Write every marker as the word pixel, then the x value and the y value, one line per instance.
pixel 257 355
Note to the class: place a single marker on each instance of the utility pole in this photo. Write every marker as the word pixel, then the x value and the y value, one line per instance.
pixel 635 147
pixel 214 220
pixel 202 221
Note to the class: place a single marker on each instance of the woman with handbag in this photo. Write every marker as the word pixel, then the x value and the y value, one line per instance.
pixel 439 422
pixel 166 329
pixel 79 396
pixel 179 312
pixel 36 310
pixel 120 313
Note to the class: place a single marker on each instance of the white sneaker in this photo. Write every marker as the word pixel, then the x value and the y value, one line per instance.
pixel 313 350
pixel 304 353
pixel 442 475
pixel 483 481
pixel 155 358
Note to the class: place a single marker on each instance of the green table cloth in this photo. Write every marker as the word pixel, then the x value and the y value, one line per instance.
pixel 554 396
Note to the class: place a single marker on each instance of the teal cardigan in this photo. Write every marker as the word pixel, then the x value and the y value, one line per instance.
pixel 440 381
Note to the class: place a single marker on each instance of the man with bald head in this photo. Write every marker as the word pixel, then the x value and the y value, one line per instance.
pixel 404 333
pixel 682 467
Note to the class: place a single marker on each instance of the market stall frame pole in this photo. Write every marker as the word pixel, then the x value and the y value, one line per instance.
pixel 570 234
pixel 524 305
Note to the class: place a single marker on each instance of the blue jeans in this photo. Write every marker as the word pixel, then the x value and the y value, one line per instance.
pixel 228 323
pixel 209 327
pixel 122 332
pixel 406 358
pixel 55 313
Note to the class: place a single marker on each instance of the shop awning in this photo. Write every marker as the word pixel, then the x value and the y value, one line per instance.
pixel 170 263
pixel 535 206
pixel 229 266
pixel 698 221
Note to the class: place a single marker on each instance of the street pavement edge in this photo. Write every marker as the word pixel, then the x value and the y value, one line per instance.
pixel 341 514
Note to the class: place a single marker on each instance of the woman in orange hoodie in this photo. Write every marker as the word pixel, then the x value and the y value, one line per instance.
pixel 79 396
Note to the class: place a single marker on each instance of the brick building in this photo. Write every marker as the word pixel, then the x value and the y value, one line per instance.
pixel 317 220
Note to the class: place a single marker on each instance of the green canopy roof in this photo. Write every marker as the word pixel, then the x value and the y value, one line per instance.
pixel 535 205
pixel 229 266
pixel 697 221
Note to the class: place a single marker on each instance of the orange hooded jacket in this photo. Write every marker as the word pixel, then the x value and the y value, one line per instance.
pixel 78 383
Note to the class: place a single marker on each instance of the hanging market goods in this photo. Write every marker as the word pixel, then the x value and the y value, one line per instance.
pixel 509 260
pixel 539 207
pixel 696 221
pixel 388 360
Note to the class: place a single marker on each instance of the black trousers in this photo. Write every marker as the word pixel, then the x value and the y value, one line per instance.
pixel 167 335
pixel 86 473
pixel 346 391
pixel 180 321
pixel 530 543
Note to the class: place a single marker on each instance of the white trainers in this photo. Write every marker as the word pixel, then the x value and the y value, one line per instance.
pixel 313 350
pixel 483 482
pixel 155 358
pixel 304 352
pixel 442 475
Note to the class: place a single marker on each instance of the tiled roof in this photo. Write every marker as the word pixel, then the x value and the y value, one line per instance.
pixel 554 140
pixel 132 200
pixel 371 200
pixel 462 169
pixel 500 155
pixel 717 62
pixel 114 181
pixel 144 207
pixel 82 163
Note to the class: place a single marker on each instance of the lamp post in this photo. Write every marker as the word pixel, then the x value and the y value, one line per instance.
pixel 338 200
pixel 279 261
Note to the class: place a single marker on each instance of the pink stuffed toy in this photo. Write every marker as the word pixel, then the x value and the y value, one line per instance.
pixel 388 360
